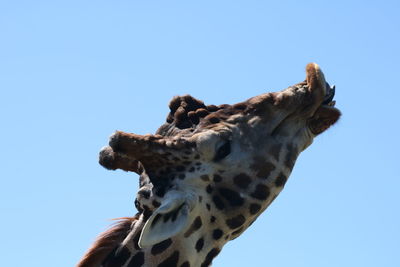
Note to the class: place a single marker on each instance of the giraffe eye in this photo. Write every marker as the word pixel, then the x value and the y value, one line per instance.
pixel 223 151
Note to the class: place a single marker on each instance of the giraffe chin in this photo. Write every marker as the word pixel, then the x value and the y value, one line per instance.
pixel 323 118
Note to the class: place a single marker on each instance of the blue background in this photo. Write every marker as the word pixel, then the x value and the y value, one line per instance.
pixel 72 72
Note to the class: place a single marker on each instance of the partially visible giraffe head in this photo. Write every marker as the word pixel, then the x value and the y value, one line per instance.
pixel 209 171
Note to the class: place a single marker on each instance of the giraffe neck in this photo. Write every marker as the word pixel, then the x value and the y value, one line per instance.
pixel 194 247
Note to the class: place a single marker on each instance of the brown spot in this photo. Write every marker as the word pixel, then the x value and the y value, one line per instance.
pixel 233 197
pixel 218 202
pixel 144 193
pixel 261 192
pixel 254 208
pixel 236 221
pixel 263 168
pixel 194 227
pixel 209 189
pixel 205 178
pixel 210 256
pixel 212 219
pixel 156 204
pixel 160 191
pixel 242 180
pixel 171 261
pixel 185 264
pixel 217 178
pixel 161 247
pixel 199 244
pixel 281 180
pixel 275 151
pixel 217 234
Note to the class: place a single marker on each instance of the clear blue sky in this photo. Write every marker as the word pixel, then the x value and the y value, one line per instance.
pixel 72 72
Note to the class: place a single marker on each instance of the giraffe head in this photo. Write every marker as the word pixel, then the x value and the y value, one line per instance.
pixel 217 168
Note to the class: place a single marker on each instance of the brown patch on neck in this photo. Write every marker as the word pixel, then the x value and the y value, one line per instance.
pixel 106 242
pixel 262 167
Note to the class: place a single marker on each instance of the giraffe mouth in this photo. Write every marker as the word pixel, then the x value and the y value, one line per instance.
pixel 330 94
pixel 326 115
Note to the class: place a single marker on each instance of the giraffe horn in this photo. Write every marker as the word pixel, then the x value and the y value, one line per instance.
pixel 142 145
pixel 126 150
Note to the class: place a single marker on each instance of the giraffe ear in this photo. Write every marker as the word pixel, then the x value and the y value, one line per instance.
pixel 169 219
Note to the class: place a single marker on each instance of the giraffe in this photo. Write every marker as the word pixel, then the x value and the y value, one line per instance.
pixel 209 172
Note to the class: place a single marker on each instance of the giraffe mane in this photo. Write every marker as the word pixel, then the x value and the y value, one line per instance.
pixel 106 242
